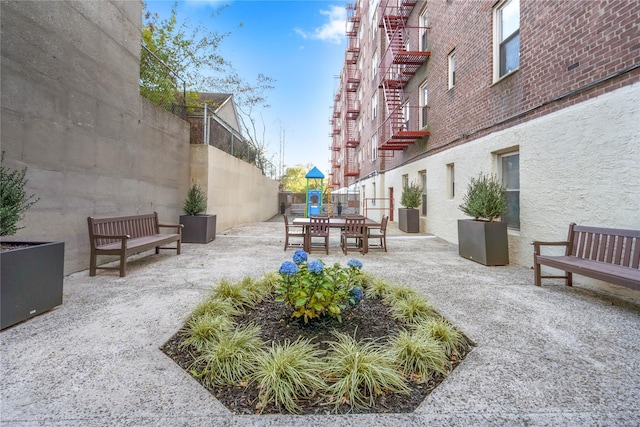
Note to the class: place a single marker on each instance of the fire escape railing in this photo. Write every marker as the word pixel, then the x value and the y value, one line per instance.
pixel 400 126
pixel 353 77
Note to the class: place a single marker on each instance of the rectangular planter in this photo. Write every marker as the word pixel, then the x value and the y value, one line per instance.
pixel 484 242
pixel 31 281
pixel 198 228
pixel 409 220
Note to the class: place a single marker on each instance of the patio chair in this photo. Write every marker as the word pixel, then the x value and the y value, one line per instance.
pixel 319 229
pixel 295 231
pixel 353 229
pixel 379 235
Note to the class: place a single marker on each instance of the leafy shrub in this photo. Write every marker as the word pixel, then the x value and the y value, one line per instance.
pixel 411 196
pixel 14 200
pixel 216 306
pixel 313 290
pixel 486 198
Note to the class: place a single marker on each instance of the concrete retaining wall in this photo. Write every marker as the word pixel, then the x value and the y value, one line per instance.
pixel 236 191
pixel 72 113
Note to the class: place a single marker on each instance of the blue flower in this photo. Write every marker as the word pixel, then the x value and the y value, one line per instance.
pixel 354 263
pixel 288 268
pixel 299 256
pixel 316 267
pixel 356 295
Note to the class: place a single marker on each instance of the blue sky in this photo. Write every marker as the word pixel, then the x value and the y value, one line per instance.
pixel 298 43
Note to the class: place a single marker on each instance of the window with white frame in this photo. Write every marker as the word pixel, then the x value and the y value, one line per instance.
pixel 424 106
pixel 506 38
pixel 424 23
pixel 452 69
pixel 423 179
pixel 451 181
pixel 374 147
pixel 510 175
pixel 405 115
pixel 374 106
pixel 374 66
pixel 405 181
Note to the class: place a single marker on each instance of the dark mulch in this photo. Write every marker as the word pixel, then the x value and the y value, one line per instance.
pixel 368 320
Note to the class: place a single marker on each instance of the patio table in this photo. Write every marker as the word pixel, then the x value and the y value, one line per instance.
pixel 335 222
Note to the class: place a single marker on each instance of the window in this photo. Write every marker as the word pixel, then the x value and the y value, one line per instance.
pixel 424 23
pixel 374 147
pixel 423 179
pixel 451 181
pixel 452 69
pixel 506 49
pixel 405 115
pixel 405 181
pixel 374 66
pixel 374 106
pixel 510 173
pixel 424 106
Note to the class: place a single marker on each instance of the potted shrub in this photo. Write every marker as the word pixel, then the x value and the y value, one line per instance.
pixel 409 217
pixel 483 239
pixel 31 273
pixel 198 227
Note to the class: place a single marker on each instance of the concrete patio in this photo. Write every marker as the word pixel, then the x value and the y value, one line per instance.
pixel 547 355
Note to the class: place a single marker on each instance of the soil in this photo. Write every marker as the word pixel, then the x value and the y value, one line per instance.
pixel 368 320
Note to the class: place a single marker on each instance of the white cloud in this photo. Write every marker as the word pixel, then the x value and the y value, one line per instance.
pixel 333 30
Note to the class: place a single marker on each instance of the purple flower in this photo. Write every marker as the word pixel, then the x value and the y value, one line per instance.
pixel 299 256
pixel 316 267
pixel 288 268
pixel 354 263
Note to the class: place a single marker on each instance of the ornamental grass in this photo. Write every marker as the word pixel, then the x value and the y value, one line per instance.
pixel 452 339
pixel 288 373
pixel 418 355
pixel 358 372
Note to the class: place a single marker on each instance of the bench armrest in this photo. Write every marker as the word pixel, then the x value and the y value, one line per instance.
pixel 536 245
pixel 176 226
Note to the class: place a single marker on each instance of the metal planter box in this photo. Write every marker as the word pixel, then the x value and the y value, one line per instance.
pixel 31 280
pixel 409 220
pixel 484 242
pixel 198 228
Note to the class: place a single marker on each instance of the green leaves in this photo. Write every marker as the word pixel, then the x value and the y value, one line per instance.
pixel 14 200
pixel 411 196
pixel 196 201
pixel 313 295
pixel 486 198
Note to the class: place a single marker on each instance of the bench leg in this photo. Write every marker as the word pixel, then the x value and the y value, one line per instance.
pixel 92 264
pixel 123 265
pixel 536 273
pixel 569 279
pixel 178 246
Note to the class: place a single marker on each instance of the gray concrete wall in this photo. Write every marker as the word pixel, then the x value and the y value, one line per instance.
pixel 72 113
pixel 237 192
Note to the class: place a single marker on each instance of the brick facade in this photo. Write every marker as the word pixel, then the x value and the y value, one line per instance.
pixel 570 51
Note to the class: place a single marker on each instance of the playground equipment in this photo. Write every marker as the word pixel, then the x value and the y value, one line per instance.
pixel 314 196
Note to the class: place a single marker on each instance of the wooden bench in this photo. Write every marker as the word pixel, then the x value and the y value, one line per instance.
pixel 607 254
pixel 128 235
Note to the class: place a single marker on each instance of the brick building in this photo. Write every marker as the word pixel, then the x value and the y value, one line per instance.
pixel 543 94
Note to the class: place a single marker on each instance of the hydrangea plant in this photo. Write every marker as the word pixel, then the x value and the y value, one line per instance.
pixel 314 290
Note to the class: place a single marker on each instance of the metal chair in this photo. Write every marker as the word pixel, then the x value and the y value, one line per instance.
pixel 318 229
pixel 379 234
pixel 353 229
pixel 294 231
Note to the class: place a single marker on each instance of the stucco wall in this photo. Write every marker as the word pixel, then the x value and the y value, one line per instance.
pixel 72 113
pixel 237 192
pixel 579 164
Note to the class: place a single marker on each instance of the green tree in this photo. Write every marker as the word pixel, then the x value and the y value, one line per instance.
pixel 178 54
pixel 294 179
pixel 14 200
